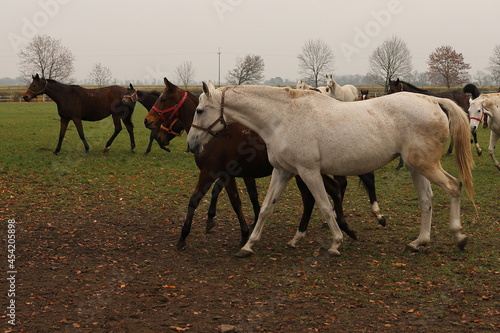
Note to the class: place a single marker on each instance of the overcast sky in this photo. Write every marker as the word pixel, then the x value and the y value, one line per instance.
pixel 139 40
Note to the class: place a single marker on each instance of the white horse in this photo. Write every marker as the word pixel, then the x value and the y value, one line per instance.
pixel 347 93
pixel 487 104
pixel 309 134
pixel 304 86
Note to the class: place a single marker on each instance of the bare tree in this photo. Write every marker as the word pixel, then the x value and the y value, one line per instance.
pixel 100 75
pixel 248 70
pixel 185 73
pixel 494 66
pixel 390 60
pixel 315 61
pixel 447 67
pixel 47 56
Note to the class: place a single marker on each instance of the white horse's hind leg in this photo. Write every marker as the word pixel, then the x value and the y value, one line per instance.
pixel 450 185
pixel 279 180
pixel 491 148
pixel 314 182
pixel 425 198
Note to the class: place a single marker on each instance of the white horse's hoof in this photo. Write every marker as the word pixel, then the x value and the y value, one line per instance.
pixel 334 253
pixel 411 248
pixel 292 244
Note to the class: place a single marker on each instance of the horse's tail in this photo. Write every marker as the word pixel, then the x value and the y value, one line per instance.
pixel 460 135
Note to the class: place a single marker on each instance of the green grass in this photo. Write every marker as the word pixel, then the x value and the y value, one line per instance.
pixel 373 273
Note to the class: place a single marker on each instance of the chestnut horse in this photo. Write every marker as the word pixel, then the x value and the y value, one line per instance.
pixel 147 99
pixel 244 142
pixel 76 103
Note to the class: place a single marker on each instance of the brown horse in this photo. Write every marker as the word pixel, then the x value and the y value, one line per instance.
pixel 76 103
pixel 459 97
pixel 248 154
pixel 147 99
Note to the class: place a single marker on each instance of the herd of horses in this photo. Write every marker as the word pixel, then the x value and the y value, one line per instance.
pixel 232 145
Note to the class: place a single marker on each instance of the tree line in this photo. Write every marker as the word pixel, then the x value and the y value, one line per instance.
pixel 390 60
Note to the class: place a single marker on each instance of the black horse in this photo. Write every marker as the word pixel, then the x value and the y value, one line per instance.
pixel 147 99
pixel 76 103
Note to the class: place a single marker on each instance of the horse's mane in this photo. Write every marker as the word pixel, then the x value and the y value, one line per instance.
pixel 155 93
pixel 414 87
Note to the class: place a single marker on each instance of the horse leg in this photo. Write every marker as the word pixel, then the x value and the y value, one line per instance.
pixel 336 191
pixel 151 139
pixel 62 132
pixel 450 185
pixel 118 128
pixel 479 151
pixel 234 198
pixel 219 185
pixel 333 189
pixel 314 182
pixel 203 185
pixel 279 180
pixel 425 198
pixel 368 180
pixel 130 129
pixel 254 197
pixel 491 148
pixel 79 128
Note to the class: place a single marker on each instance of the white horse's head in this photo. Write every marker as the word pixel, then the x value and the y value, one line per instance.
pixel 329 81
pixel 477 109
pixel 208 120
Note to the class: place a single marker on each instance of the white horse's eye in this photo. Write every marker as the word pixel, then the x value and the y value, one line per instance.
pixel 199 111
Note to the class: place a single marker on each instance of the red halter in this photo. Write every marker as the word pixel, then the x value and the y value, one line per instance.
pixel 482 115
pixel 174 109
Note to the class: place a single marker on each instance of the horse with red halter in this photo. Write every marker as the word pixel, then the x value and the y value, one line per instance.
pixel 76 104
pixel 147 99
pixel 242 147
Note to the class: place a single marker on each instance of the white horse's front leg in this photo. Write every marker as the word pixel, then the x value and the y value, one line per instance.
pixel 491 148
pixel 314 182
pixel 279 180
pixel 425 198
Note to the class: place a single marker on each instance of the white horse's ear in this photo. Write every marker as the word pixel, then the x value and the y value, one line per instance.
pixel 206 87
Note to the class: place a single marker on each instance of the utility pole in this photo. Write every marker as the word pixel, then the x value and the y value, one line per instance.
pixel 219 64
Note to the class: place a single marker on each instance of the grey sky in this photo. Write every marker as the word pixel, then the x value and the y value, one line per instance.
pixel 146 39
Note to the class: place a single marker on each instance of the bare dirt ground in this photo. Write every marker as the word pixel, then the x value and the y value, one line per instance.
pixel 115 271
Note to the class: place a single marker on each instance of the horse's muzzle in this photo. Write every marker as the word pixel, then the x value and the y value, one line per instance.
pixel 147 123
pixel 26 98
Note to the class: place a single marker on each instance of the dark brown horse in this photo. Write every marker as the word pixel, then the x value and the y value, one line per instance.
pixel 147 99
pixel 76 103
pixel 459 97
pixel 239 152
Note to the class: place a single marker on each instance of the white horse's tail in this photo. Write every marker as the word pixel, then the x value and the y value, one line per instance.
pixel 461 136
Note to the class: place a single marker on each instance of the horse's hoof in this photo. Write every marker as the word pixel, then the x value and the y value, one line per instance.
pixel 106 149
pixel 351 233
pixel 461 243
pixel 479 152
pixel 382 221
pixel 210 226
pixel 243 254
pixel 334 253
pixel 411 248
pixel 180 245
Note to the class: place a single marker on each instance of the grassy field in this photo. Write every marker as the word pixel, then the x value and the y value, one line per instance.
pixel 373 286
